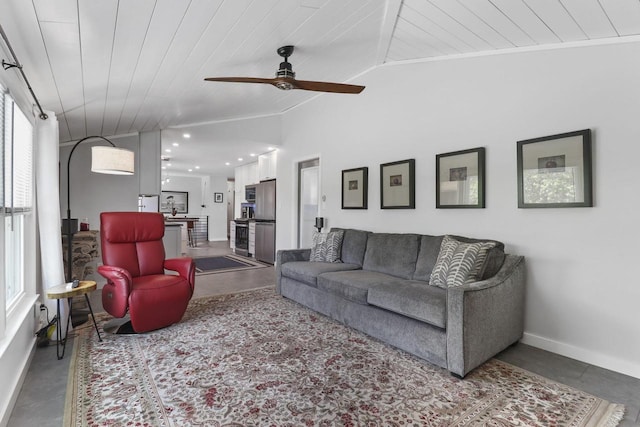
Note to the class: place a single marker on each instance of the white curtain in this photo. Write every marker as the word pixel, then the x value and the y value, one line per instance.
pixel 48 208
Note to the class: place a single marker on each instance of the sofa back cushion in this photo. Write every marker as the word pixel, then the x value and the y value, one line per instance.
pixel 427 256
pixel 393 254
pixel 354 244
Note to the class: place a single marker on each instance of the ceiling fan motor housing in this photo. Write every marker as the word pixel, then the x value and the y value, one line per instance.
pixel 285 70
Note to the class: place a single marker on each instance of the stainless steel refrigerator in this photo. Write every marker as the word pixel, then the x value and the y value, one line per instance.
pixel 266 221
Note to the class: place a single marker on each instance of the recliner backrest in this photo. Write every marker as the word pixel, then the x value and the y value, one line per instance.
pixel 133 241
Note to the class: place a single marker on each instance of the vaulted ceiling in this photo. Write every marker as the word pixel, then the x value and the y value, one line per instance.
pixel 110 67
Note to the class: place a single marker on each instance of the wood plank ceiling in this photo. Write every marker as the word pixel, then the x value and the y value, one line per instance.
pixel 112 67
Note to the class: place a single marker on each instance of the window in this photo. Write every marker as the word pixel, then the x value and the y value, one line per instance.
pixel 16 184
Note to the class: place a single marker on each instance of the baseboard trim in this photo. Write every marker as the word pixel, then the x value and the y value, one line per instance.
pixel 24 369
pixel 583 355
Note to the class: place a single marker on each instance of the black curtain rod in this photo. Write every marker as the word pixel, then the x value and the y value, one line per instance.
pixel 16 64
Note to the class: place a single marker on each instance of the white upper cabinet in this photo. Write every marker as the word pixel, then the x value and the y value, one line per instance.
pixel 267 165
pixel 245 175
pixel 252 173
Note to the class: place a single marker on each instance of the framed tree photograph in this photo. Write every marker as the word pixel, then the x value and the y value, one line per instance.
pixel 355 188
pixel 460 179
pixel 555 171
pixel 217 197
pixel 397 185
pixel 178 200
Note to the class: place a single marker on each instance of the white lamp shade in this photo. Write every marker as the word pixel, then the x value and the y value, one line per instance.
pixel 112 160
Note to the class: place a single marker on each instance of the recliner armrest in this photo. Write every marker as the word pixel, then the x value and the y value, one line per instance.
pixel 184 266
pixel 120 277
pixel 115 294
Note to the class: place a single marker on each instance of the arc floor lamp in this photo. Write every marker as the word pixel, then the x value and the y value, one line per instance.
pixel 108 160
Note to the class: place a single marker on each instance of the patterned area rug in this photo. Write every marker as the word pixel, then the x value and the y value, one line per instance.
pixel 255 358
pixel 225 264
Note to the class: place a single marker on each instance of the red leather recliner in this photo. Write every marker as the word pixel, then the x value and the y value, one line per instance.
pixel 134 262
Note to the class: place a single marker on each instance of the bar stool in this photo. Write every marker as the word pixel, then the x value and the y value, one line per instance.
pixel 191 234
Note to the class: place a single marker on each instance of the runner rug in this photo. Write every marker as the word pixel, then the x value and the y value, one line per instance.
pixel 225 264
pixel 255 358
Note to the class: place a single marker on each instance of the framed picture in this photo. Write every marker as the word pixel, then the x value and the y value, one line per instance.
pixel 355 188
pixel 217 197
pixel 174 199
pixel 397 185
pixel 555 171
pixel 460 179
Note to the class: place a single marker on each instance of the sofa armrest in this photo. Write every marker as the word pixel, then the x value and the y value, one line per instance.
pixel 288 255
pixel 485 317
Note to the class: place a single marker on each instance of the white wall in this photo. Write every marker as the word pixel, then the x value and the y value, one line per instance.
pixel 201 189
pixel 92 193
pixel 193 186
pixel 582 295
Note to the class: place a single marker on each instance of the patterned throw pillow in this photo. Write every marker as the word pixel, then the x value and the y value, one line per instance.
pixel 318 247
pixel 459 263
pixel 334 246
pixel 326 247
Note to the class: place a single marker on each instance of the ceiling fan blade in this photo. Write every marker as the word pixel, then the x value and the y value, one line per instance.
pixel 326 86
pixel 240 80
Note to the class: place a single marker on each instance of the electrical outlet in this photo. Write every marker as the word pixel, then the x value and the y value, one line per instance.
pixel 40 314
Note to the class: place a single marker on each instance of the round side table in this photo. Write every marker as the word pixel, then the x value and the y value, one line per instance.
pixel 66 291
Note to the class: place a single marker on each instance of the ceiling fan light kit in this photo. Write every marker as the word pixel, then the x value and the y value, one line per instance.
pixel 286 79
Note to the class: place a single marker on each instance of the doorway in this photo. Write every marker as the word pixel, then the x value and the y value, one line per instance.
pixel 308 200
pixel 231 202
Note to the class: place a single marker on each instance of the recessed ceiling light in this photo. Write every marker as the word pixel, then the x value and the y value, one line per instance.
pixel 169 164
pixel 227 163
pixel 168 180
pixel 164 167
pixel 269 148
pixel 197 167
pixel 240 159
pixel 167 150
pixel 186 135
pixel 175 144
pixel 252 154
pixel 190 170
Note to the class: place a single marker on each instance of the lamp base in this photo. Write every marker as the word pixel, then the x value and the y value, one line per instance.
pixel 69 226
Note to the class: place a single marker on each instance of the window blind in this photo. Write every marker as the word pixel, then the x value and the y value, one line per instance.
pixel 2 145
pixel 17 162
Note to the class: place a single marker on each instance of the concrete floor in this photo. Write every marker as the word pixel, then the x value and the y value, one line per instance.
pixel 42 397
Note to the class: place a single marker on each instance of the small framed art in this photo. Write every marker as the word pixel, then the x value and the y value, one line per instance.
pixel 178 200
pixel 397 185
pixel 555 171
pixel 460 179
pixel 217 197
pixel 355 188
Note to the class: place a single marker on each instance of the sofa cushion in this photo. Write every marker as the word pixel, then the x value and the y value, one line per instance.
pixel 495 257
pixel 413 299
pixel 393 254
pixel 354 244
pixel 307 272
pixel 326 246
pixel 459 263
pixel 351 285
pixel 427 256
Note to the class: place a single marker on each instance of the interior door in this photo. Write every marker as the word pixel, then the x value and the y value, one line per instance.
pixel 308 200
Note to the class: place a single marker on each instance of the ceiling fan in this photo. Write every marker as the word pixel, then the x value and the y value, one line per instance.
pixel 286 79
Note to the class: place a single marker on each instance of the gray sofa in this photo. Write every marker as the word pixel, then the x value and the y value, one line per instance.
pixel 381 287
